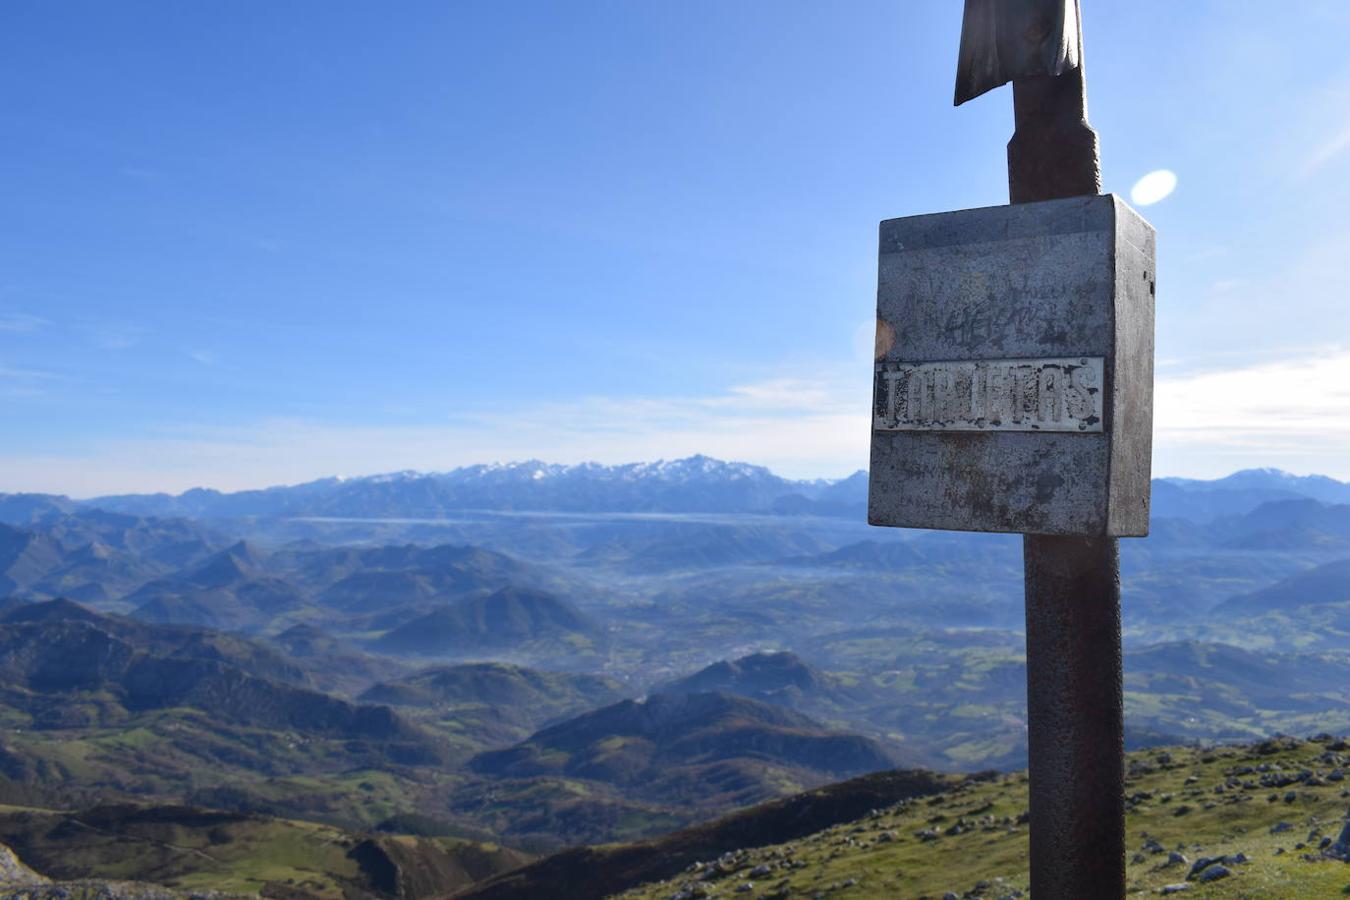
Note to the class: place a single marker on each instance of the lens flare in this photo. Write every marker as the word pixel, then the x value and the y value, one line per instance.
pixel 1153 187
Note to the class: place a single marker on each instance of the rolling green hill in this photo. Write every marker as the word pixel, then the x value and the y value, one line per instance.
pixel 632 742
pixel 98 708
pixel 491 704
pixel 1329 583
pixel 228 590
pixel 515 695
pixel 507 619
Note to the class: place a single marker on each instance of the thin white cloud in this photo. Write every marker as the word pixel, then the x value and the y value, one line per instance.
pixel 1288 413
pixel 797 427
pixel 1333 146
pixel 1314 131
pixel 1207 253
pixel 865 340
pixel 112 336
pixel 19 374
pixel 205 357
pixel 1227 285
pixel 1299 299
pixel 21 322
pixel 784 394
pixel 18 383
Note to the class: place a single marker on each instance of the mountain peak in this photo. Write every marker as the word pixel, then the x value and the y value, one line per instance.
pixel 763 675
pixel 667 732
pixel 233 564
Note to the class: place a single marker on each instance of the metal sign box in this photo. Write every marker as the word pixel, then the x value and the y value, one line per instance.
pixel 1013 386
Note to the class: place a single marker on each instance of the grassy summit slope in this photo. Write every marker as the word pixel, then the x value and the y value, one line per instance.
pixel 188 849
pixel 972 840
pixel 594 871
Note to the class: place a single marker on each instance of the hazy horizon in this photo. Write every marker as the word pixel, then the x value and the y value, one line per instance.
pixel 344 476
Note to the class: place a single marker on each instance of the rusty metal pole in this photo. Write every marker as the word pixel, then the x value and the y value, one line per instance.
pixel 1075 717
pixel 1075 707
pixel 1074 697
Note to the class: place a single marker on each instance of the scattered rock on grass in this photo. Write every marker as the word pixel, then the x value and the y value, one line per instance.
pixel 1213 873
pixel 1207 863
pixel 1341 848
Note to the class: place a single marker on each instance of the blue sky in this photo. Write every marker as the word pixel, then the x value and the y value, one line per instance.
pixel 249 243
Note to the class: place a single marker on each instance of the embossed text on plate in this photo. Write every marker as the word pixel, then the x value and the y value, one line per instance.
pixel 1063 394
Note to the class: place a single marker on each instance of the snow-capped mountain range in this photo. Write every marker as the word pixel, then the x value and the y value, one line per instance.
pixel 698 484
pixel 695 484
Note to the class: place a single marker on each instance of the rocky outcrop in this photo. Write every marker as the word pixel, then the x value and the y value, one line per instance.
pixel 14 874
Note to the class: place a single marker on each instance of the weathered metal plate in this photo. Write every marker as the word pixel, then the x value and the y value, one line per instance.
pixel 1016 297
pixel 990 395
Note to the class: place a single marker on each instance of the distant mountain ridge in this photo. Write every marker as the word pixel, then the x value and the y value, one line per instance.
pixel 1318 487
pixel 694 484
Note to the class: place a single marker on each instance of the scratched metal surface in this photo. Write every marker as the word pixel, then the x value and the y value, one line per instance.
pixel 1132 445
pixel 1063 278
